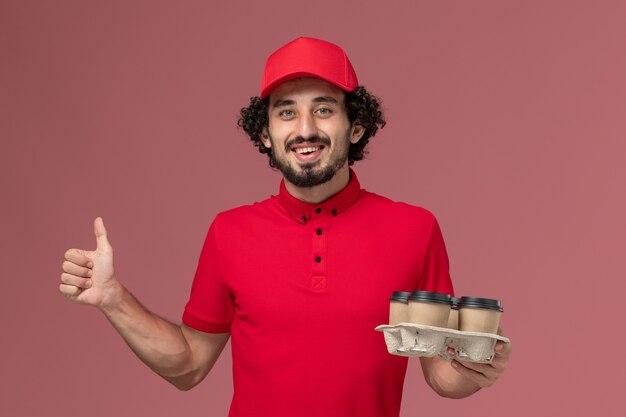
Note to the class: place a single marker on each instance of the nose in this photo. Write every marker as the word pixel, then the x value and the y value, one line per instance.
pixel 306 125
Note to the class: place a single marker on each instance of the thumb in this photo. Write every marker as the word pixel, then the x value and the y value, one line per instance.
pixel 102 243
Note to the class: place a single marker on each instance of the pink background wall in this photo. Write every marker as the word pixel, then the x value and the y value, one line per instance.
pixel 506 119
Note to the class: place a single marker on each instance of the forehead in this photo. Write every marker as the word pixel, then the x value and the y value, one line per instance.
pixel 305 89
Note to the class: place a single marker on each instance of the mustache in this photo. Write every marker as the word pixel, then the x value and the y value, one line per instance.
pixel 311 139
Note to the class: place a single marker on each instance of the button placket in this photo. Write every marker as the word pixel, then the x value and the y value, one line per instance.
pixel 319 223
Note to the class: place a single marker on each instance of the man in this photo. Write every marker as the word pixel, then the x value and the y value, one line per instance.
pixel 298 281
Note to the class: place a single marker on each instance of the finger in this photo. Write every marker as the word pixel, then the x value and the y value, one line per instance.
pixel 499 363
pixel 481 368
pixel 477 366
pixel 79 282
pixel 72 268
pixel 78 257
pixel 503 348
pixel 70 291
pixel 501 358
pixel 490 370
pixel 102 242
pixel 479 378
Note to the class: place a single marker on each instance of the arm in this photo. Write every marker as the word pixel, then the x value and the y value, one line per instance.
pixel 454 379
pixel 181 355
pixel 458 379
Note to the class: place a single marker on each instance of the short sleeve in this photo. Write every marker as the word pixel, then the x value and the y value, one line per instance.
pixel 210 307
pixel 435 274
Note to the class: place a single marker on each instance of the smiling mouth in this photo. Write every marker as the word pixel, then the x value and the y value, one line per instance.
pixel 306 150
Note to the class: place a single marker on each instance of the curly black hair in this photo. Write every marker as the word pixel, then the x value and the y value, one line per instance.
pixel 363 108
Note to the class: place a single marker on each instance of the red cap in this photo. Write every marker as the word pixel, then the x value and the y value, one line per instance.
pixel 308 57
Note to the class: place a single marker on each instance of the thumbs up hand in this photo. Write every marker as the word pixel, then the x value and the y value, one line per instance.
pixel 88 276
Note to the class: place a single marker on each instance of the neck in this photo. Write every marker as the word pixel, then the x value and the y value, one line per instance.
pixel 321 192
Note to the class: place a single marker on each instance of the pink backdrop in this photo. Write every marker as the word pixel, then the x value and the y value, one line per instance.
pixel 506 119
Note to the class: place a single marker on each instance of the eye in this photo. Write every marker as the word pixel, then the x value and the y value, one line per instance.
pixel 286 113
pixel 324 111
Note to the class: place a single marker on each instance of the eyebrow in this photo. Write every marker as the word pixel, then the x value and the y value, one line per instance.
pixel 282 103
pixel 325 99
pixel 289 102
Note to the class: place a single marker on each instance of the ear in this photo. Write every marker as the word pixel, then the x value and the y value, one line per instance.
pixel 265 138
pixel 357 133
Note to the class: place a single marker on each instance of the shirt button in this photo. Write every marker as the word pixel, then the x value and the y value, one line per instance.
pixel 318 259
pixel 334 212
pixel 318 231
pixel 318 210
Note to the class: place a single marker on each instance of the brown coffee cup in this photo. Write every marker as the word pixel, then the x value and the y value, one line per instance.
pixel 479 315
pixel 398 307
pixel 429 308
pixel 453 319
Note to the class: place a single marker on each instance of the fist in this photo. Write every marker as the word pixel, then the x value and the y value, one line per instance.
pixel 88 276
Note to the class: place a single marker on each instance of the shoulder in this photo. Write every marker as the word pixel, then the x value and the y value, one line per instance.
pixel 395 209
pixel 246 214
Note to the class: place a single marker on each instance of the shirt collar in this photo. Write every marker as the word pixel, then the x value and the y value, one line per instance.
pixel 301 211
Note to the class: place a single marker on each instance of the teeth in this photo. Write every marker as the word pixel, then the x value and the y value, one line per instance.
pixel 307 150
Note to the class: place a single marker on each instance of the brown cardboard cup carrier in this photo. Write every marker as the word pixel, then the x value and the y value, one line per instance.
pixel 430 329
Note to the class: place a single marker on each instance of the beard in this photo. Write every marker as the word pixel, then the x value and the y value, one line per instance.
pixel 310 174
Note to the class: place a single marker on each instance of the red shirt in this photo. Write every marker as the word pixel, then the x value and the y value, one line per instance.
pixel 301 287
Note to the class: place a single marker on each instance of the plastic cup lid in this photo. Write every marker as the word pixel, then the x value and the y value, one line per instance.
pixel 430 297
pixel 401 296
pixel 476 302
